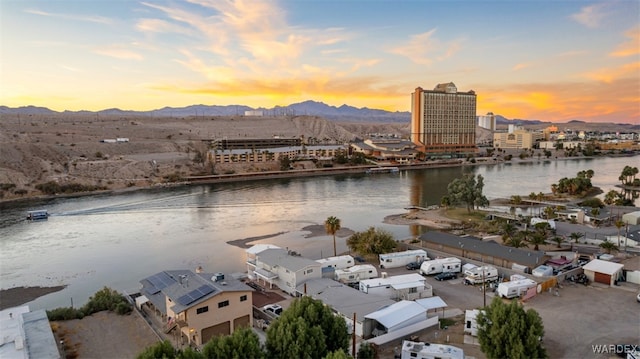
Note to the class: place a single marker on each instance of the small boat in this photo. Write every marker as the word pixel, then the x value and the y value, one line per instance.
pixel 383 170
pixel 37 215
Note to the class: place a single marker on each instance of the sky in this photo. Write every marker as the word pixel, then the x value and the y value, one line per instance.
pixel 545 60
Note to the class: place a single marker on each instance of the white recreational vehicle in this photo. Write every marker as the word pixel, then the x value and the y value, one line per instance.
pixel 471 322
pixel 479 275
pixel 412 350
pixel 356 273
pixel 439 265
pixel 401 259
pixel 516 288
pixel 339 262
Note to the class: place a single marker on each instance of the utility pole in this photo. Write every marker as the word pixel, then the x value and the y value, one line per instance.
pixel 353 336
pixel 484 289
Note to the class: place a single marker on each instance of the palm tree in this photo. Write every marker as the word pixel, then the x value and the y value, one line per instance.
pixel 558 241
pixel 516 242
pixel 332 225
pixel 619 224
pixel 608 246
pixel 575 236
pixel 537 239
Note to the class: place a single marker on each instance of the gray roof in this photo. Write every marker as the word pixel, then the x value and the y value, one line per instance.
pixel 186 288
pixel 473 244
pixel 39 338
pixel 344 299
pixel 281 257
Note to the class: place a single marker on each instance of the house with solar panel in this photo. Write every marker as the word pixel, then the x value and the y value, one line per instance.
pixel 197 305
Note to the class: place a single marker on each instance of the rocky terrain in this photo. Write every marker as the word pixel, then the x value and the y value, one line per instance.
pixel 67 148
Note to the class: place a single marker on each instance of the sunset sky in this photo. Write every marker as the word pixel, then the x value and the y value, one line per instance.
pixel 545 60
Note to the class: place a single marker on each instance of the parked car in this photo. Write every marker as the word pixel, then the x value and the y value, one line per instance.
pixel 638 298
pixel 359 259
pixel 413 265
pixel 274 309
pixel 445 276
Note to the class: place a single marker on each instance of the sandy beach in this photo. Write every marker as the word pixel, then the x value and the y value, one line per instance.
pixel 17 296
pixel 432 218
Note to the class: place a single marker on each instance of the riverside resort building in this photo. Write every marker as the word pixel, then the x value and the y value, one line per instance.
pixel 443 121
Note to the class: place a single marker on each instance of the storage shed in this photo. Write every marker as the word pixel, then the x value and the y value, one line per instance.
pixel 604 272
pixel 631 218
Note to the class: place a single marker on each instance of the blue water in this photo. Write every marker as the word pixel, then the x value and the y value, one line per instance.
pixel 116 240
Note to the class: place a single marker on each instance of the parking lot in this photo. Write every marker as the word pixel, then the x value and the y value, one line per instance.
pixel 576 319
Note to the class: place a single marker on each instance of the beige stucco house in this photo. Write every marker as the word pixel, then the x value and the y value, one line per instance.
pixel 199 305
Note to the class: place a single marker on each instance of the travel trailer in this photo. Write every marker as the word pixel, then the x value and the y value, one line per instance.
pixel 479 275
pixel 339 262
pixel 471 322
pixel 515 288
pixel 401 259
pixel 356 273
pixel 435 266
pixel 412 350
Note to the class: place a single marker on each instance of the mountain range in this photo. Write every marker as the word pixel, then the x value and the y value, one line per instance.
pixel 344 113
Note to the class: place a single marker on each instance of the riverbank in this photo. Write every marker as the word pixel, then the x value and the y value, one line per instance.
pixel 17 296
pixel 256 176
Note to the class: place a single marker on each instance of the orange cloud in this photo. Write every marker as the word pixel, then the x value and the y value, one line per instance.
pixel 631 47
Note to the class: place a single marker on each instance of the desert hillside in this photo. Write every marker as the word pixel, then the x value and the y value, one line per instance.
pixel 36 149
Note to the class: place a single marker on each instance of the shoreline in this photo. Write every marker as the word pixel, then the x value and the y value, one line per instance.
pixel 17 296
pixel 257 176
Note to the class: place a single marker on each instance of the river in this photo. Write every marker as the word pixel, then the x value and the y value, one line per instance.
pixel 117 239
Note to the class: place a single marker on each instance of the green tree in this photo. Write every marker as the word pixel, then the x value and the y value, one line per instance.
pixel 508 331
pixel 160 350
pixel 332 226
pixel 538 238
pixel 628 175
pixel 558 241
pixel 243 343
pixel 338 354
pixel 516 242
pixel 366 351
pixel 575 236
pixel 285 163
pixel 371 241
pixel 467 190
pixel 508 231
pixel 609 246
pixel 307 329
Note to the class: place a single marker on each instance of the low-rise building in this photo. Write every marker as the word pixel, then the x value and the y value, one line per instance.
pixel 604 272
pixel 488 252
pixel 278 267
pixel 26 334
pixel 387 149
pixel 400 287
pixel 347 302
pixel 198 305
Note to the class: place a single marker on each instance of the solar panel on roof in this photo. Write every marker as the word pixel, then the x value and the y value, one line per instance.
pixel 161 280
pixel 195 295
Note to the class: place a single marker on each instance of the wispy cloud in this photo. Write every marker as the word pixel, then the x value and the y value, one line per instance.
pixel 76 17
pixel 161 26
pixel 632 46
pixel 118 52
pixel 608 75
pixel 521 66
pixel 425 48
pixel 245 39
pixel 590 16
